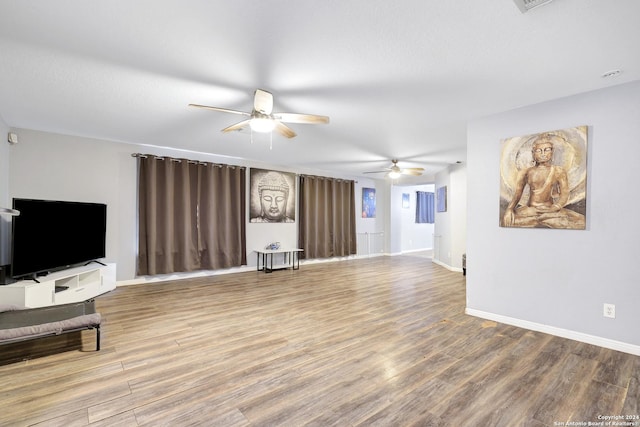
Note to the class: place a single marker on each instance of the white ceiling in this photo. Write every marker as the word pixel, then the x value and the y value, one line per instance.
pixel 399 79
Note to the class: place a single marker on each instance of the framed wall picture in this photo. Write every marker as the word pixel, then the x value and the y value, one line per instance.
pixel 273 196
pixel 405 200
pixel 368 203
pixel 543 180
pixel 441 199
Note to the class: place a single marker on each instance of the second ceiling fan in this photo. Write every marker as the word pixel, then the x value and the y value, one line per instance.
pixel 394 171
pixel 263 119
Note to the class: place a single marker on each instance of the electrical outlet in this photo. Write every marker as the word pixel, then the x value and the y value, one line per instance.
pixel 609 310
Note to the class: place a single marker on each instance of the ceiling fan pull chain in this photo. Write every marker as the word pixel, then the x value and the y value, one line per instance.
pixel 270 140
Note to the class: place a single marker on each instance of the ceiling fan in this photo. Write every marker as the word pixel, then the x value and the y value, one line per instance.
pixel 394 171
pixel 263 119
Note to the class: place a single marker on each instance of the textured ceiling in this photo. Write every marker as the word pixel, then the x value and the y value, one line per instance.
pixel 398 79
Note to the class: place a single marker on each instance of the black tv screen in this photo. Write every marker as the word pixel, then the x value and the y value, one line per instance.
pixel 51 235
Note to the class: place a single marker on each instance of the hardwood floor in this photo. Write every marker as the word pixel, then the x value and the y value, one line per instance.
pixel 371 342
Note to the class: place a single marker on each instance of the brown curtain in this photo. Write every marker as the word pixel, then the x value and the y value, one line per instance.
pixel 327 225
pixel 191 215
pixel 222 217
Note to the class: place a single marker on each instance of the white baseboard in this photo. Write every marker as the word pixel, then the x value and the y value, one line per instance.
pixel 417 250
pixel 178 276
pixel 447 266
pixel 334 259
pixel 560 332
pixel 363 256
pixel 204 273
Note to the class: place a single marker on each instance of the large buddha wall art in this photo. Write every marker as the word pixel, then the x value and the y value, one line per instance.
pixel 543 180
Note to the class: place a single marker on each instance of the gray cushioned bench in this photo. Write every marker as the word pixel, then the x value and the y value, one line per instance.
pixel 22 324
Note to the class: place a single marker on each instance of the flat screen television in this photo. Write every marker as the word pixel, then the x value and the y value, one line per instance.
pixel 51 235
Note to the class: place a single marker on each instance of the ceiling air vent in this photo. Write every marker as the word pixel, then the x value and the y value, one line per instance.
pixel 527 5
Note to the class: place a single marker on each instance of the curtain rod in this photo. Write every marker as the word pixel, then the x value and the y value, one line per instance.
pixel 195 162
pixel 144 156
pixel 325 177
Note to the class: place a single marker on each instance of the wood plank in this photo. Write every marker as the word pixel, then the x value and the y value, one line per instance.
pixel 551 403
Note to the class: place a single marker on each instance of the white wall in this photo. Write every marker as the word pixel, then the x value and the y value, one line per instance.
pixel 58 167
pixel 413 236
pixel 62 167
pixel 380 223
pixel 457 210
pixel 558 280
pixel 5 201
pixel 371 225
pixel 450 232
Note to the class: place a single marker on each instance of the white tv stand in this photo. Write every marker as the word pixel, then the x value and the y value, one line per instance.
pixel 72 285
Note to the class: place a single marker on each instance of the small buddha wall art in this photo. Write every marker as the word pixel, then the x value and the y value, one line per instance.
pixel 272 196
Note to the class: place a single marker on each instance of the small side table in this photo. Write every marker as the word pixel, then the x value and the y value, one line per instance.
pixel 291 259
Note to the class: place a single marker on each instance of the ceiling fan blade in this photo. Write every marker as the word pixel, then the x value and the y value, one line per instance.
pixel 376 171
pixel 284 130
pixel 224 110
pixel 302 118
pixel 237 126
pixel 414 169
pixel 411 172
pixel 263 101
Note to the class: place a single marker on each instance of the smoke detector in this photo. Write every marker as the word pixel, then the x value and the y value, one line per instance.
pixel 527 5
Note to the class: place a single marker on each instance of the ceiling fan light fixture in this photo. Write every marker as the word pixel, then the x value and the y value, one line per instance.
pixel 394 174
pixel 262 119
pixel 263 125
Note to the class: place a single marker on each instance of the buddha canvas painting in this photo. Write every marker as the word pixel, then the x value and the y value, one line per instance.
pixel 543 180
